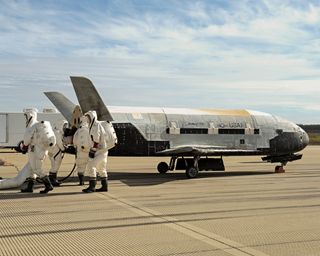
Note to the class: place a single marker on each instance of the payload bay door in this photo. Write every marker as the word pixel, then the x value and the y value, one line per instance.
pixel 3 128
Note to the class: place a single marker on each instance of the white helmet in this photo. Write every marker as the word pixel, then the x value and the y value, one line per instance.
pixel 31 117
pixel 84 121
pixel 60 125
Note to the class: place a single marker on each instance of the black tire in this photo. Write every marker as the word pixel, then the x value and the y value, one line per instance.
pixel 163 167
pixel 192 172
pixel 279 169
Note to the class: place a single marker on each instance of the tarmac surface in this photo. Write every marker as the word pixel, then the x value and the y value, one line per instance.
pixel 247 210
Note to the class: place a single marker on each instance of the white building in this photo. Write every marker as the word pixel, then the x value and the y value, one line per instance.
pixel 12 125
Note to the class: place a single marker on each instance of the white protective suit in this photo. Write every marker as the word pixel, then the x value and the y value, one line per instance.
pixel 26 172
pixel 18 180
pixel 39 137
pixel 55 153
pixel 103 137
pixel 83 143
pixel 99 145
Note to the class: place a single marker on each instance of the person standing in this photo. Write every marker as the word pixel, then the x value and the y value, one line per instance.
pixel 56 152
pixel 82 143
pixel 38 139
pixel 101 135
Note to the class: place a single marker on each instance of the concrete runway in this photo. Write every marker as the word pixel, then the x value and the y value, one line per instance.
pixel 247 210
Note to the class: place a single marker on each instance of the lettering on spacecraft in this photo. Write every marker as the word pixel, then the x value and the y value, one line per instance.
pixel 232 125
pixel 195 124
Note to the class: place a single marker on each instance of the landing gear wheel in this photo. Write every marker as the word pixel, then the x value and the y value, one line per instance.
pixel 279 169
pixel 163 167
pixel 192 172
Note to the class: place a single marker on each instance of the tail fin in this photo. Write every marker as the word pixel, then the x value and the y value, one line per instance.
pixel 89 98
pixel 63 104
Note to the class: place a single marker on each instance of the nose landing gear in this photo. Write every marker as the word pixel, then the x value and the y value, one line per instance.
pixel 192 171
pixel 280 168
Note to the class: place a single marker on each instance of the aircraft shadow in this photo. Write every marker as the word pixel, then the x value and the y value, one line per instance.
pixel 131 179
pixel 151 179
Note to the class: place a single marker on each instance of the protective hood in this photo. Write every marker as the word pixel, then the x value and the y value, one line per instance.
pixel 84 121
pixel 31 117
pixel 92 117
pixel 60 125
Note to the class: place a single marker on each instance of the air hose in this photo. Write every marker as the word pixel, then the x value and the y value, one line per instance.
pixel 74 166
pixel 63 179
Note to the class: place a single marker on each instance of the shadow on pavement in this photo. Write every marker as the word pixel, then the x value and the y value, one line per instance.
pixel 128 178
pixel 153 178
pixel 35 194
pixel 150 179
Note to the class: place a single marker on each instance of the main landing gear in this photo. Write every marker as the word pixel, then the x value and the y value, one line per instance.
pixel 192 171
pixel 192 166
pixel 163 167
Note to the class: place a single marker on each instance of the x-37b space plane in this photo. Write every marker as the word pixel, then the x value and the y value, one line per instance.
pixel 196 140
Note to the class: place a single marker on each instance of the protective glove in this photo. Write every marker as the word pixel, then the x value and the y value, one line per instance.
pixel 24 148
pixel 70 150
pixel 65 148
pixel 92 152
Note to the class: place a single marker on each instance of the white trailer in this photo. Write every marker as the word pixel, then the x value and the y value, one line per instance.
pixel 12 126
